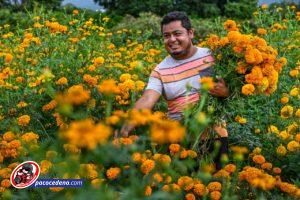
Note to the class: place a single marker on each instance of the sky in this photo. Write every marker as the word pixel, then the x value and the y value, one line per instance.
pixel 89 4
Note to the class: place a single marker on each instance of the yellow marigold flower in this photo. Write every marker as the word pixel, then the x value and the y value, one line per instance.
pixel 86 134
pixel 297 113
pixel 190 196
pixel 207 82
pixel 248 89
pixel 108 87
pixel 284 100
pixel 199 189
pixel 147 166
pixel 113 173
pixel 230 25
pixel 77 95
pixel 240 119
pixel 62 81
pixel 148 191
pixel 192 154
pixel 24 120
pixel 98 61
pixel 267 166
pixel 185 182
pixel 45 166
pixel 281 150
pixel 294 73
pixel 139 85
pixel 215 195
pixel 22 104
pixel 230 168
pixel 174 148
pixel 214 186
pixel 273 129
pixel 125 77
pixel 286 112
pixel 294 92
pixel 30 138
pixel 5 183
pixel 261 31
pixel 8 136
pixel 8 58
pixel 258 159
pixel 257 131
pixel 293 146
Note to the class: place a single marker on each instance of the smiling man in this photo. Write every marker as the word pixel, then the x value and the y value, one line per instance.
pixel 184 67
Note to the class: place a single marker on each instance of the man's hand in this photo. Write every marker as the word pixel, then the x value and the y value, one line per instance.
pixel 220 89
pixel 125 130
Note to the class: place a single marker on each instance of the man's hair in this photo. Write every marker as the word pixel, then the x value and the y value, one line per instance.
pixel 177 16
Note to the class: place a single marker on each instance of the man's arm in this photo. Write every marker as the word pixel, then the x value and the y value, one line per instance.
pixel 146 101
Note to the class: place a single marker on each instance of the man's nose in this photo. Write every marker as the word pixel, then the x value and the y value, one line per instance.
pixel 172 38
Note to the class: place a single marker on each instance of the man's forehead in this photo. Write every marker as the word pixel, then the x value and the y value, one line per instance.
pixel 173 26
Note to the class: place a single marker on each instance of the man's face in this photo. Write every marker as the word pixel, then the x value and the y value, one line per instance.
pixel 177 40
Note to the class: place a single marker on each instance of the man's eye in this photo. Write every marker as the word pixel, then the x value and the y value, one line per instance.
pixel 178 34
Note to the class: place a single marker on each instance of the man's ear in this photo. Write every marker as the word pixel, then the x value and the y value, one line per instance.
pixel 191 33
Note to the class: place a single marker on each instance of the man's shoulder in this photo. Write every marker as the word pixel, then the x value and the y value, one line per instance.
pixel 202 52
pixel 165 63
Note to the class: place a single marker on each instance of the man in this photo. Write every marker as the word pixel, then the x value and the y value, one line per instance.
pixel 185 65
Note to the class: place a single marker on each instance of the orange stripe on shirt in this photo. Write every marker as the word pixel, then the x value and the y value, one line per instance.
pixel 186 66
pixel 185 74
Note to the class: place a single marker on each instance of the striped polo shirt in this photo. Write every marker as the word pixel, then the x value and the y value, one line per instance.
pixel 171 78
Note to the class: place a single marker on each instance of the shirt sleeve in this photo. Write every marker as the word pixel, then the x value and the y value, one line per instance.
pixel 154 82
pixel 207 72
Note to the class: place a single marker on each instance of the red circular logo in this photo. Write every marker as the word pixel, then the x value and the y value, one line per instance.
pixel 25 174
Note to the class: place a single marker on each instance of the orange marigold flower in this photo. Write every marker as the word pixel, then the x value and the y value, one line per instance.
pixel 294 73
pixel 24 120
pixel 253 56
pixel 77 95
pixel 190 196
pixel 98 61
pixel 222 174
pixel 199 189
pixel 8 58
pixel 148 191
pixel 284 100
pixel 50 106
pixel 5 183
pixel 230 168
pixel 30 138
pixel 261 31
pixel 62 81
pixel 230 25
pixel 185 182
pixel 8 136
pixel 258 159
pixel 266 166
pixel 113 172
pixel 147 166
pixel 215 195
pixel 276 170
pixel 108 87
pixel 297 113
pixel 174 148
pixel 214 186
pixel 248 89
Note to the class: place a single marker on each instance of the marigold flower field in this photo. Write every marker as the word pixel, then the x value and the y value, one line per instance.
pixel 68 84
